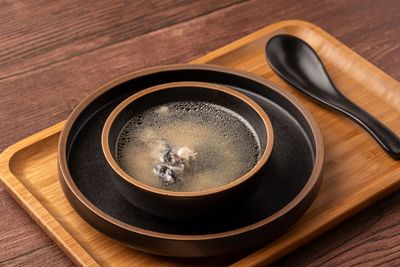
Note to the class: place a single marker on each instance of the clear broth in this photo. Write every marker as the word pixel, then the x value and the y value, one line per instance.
pixel 226 145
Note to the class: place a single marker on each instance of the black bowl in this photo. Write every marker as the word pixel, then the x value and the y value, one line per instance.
pixel 290 185
pixel 187 205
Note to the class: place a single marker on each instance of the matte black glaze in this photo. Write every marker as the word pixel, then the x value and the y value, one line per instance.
pixel 187 205
pixel 289 169
pixel 298 64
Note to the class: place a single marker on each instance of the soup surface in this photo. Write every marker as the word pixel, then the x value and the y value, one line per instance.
pixel 211 145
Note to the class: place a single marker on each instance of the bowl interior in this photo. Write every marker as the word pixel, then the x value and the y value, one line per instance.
pixel 233 101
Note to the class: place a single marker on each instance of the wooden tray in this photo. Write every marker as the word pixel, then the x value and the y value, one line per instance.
pixel 356 173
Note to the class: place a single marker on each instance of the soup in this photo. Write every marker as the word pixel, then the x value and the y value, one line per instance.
pixel 187 146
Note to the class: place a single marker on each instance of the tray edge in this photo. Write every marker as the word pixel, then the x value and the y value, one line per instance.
pixel 47 222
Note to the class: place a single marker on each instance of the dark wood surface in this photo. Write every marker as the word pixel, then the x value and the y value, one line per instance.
pixel 53 53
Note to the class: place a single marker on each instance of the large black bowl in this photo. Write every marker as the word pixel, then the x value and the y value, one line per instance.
pixel 290 185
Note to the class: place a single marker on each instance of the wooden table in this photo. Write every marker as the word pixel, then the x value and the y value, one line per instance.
pixel 53 53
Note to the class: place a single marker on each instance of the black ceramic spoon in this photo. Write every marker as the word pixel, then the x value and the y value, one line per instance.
pixel 298 64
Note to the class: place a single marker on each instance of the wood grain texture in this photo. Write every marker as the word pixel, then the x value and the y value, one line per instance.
pixel 85 26
pixel 41 87
pixel 339 195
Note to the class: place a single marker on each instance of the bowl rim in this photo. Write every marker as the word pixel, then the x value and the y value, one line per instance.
pixel 132 181
pixel 312 183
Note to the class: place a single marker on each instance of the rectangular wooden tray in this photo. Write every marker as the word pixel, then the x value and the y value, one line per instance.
pixel 356 172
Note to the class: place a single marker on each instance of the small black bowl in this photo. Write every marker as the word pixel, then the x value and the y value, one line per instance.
pixel 186 205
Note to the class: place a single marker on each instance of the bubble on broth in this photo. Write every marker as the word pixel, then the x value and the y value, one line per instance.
pixel 225 145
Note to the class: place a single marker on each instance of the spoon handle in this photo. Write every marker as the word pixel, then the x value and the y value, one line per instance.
pixel 385 137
